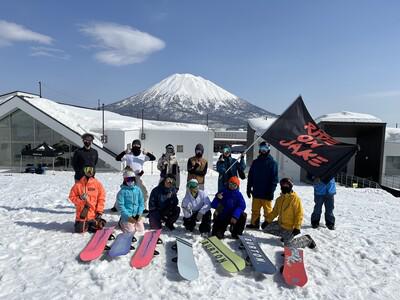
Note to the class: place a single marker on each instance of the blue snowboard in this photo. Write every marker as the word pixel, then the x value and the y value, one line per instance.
pixel 121 245
pixel 187 267
pixel 258 259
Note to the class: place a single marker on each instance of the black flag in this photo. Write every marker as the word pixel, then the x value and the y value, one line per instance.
pixel 296 135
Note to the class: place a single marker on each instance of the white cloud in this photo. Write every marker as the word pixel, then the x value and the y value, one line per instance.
pixel 383 94
pixel 121 45
pixel 11 32
pixel 49 52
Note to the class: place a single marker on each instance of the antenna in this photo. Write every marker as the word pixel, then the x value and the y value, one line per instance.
pixel 40 89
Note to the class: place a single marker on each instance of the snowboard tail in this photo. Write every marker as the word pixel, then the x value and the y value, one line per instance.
pixel 187 267
pixel 121 245
pixel 258 259
pixel 144 254
pixel 294 272
pixel 96 245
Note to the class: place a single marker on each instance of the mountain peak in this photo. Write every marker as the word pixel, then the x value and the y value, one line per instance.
pixel 190 86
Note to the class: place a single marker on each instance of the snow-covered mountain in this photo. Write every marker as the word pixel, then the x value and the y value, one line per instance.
pixel 189 98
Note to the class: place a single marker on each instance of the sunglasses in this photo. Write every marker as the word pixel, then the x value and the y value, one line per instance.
pixel 135 146
pixel 129 179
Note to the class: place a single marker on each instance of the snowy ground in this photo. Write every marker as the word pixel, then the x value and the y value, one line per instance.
pixel 39 252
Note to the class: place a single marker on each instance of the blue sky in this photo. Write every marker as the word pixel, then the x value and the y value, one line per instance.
pixel 339 55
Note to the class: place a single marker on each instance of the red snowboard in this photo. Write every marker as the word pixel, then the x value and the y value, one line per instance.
pixel 96 245
pixel 144 254
pixel 293 268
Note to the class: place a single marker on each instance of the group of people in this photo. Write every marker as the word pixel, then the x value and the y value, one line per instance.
pixel 162 206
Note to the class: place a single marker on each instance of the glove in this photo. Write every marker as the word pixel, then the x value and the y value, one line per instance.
pixel 141 173
pixel 196 166
pixel 199 216
pixel 248 192
pixel 220 196
pixel 295 231
pixel 83 197
pixel 98 215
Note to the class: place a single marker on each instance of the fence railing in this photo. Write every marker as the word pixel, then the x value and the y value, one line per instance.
pixel 392 181
pixel 355 181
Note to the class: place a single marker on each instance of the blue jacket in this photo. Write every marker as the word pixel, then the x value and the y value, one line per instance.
pixel 321 189
pixel 163 199
pixel 222 166
pixel 263 177
pixel 233 204
pixel 130 201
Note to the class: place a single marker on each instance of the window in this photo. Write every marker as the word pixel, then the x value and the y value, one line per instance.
pixel 179 148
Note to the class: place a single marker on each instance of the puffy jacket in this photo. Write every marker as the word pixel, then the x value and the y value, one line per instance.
pixel 83 157
pixel 200 171
pixel 130 201
pixel 263 177
pixel 289 210
pixel 222 166
pixel 162 198
pixel 168 164
pixel 321 188
pixel 96 196
pixel 200 204
pixel 231 205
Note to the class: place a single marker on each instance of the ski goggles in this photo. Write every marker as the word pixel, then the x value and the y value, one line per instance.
pixel 129 179
pixel 264 149
pixel 88 171
pixel 192 185
pixel 233 185
pixel 226 150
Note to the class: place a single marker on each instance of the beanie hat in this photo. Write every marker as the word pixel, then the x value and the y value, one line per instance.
pixel 87 136
pixel 286 182
pixel 192 183
pixel 264 146
pixel 169 148
pixel 199 147
pixel 226 148
pixel 136 142
pixel 128 172
pixel 234 180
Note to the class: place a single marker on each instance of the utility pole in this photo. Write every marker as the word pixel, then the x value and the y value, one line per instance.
pixel 207 120
pixel 103 136
pixel 142 135
pixel 40 89
pixel 98 104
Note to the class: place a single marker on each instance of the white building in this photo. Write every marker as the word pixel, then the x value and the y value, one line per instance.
pixel 28 119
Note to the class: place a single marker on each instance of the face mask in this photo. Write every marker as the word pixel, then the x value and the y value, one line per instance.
pixel 87 144
pixel 130 183
pixel 136 151
pixel 286 189
pixel 199 154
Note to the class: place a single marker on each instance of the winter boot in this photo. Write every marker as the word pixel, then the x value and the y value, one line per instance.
pixel 264 224
pixel 330 226
pixel 312 243
pixel 314 225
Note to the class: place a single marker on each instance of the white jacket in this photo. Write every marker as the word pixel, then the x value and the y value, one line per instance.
pixel 200 204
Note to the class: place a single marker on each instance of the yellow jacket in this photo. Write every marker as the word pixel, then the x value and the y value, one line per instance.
pixel 289 210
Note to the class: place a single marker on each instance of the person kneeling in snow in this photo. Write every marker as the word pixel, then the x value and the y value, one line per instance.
pixel 196 207
pixel 163 204
pixel 131 203
pixel 229 208
pixel 289 210
pixel 88 196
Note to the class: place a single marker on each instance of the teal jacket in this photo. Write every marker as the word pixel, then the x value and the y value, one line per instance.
pixel 130 202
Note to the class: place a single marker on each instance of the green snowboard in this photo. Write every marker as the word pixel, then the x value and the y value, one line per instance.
pixel 225 256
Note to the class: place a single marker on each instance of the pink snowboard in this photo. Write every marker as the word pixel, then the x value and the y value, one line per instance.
pixel 293 268
pixel 96 245
pixel 145 252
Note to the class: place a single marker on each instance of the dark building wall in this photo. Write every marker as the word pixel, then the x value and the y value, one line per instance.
pixel 371 140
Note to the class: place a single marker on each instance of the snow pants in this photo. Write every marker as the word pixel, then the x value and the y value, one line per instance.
pixel 169 217
pixel 288 239
pixel 329 202
pixel 220 225
pixel 205 225
pixel 256 206
pixel 132 227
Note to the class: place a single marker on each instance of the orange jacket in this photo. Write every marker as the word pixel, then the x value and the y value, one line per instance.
pixel 95 197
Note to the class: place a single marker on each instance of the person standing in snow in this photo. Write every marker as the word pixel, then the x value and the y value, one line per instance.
pixel 135 160
pixel 131 203
pixel 163 204
pixel 88 196
pixel 85 156
pixel 224 164
pixel 289 210
pixel 261 184
pixel 196 207
pixel 197 166
pixel 229 208
pixel 324 194
pixel 168 164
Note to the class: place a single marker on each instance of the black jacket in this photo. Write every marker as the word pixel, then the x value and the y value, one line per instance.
pixel 82 158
